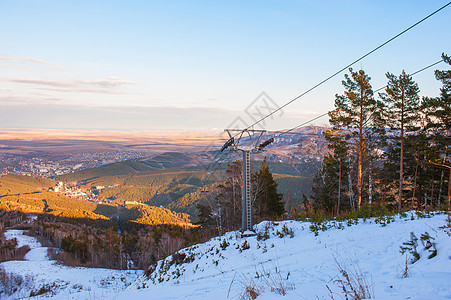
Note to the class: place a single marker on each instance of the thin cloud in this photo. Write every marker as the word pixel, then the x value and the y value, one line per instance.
pixel 54 83
pixel 19 100
pixel 85 86
pixel 82 90
pixel 19 62
pixel 108 82
pixel 36 60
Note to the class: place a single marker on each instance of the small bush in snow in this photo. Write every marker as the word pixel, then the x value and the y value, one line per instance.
pixel 429 245
pixel 43 290
pixel 244 246
pixel 224 244
pixel 411 247
pixel 263 235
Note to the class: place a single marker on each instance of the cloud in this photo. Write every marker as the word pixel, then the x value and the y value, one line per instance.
pixel 36 60
pixel 23 100
pixel 108 82
pixel 107 85
pixel 20 62
pixel 54 83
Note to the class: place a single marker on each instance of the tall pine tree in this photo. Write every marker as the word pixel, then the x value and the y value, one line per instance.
pixel 358 115
pixel 401 96
pixel 438 113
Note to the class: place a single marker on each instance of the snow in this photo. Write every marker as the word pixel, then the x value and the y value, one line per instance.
pixel 65 282
pixel 22 240
pixel 290 255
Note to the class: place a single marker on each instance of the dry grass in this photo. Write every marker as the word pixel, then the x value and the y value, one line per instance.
pixel 354 283
pixel 250 289
pixel 276 282
pixel 252 286
pixel 405 270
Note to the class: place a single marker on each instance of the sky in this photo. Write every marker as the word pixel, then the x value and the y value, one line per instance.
pixel 201 65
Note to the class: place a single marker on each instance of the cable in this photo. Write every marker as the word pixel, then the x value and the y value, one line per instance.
pixel 341 70
pixel 278 133
pixel 414 73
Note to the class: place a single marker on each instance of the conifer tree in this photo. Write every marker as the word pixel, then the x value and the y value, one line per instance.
pixel 358 115
pixel 438 114
pixel 335 167
pixel 401 96
pixel 267 200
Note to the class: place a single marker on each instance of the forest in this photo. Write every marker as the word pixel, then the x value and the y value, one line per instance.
pixel 390 150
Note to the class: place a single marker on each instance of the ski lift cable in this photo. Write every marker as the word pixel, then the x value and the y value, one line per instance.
pixel 413 74
pixel 348 66
pixel 288 131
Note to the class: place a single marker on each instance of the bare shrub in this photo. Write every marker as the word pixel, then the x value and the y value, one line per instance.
pixel 21 252
pixel 67 259
pixel 276 282
pixel 10 282
pixel 178 258
pixel 250 289
pixel 52 253
pixel 405 270
pixel 9 250
pixel 354 283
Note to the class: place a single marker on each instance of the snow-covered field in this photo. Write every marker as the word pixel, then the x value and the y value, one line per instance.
pixel 289 259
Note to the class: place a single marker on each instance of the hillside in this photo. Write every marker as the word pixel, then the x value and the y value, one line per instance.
pixel 290 258
pixel 174 180
pixel 286 260
pixel 12 184
pixel 31 195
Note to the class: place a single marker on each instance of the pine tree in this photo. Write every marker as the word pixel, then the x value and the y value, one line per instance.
pixel 335 167
pixel 268 201
pixel 401 96
pixel 358 116
pixel 439 109
pixel 438 114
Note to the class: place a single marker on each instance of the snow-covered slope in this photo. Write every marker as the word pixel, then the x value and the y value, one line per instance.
pixel 37 274
pixel 295 261
pixel 298 259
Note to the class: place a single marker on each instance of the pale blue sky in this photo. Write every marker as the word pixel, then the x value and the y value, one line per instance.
pixel 212 57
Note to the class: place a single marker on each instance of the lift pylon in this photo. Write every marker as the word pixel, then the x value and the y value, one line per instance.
pixel 247 141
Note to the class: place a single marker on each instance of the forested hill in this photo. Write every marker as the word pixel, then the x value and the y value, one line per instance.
pixel 175 180
pixel 33 195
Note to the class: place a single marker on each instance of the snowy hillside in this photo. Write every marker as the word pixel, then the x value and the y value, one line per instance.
pixel 38 275
pixel 299 259
pixel 289 258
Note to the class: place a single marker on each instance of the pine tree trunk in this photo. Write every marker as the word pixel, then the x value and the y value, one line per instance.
pixel 360 171
pixel 370 187
pixel 440 190
pixel 351 199
pixel 449 190
pixel 339 190
pixel 401 166
pixel 415 184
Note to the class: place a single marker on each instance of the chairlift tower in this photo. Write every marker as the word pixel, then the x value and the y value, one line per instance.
pixel 251 143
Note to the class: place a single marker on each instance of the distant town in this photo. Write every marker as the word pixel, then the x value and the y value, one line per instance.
pixel 41 166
